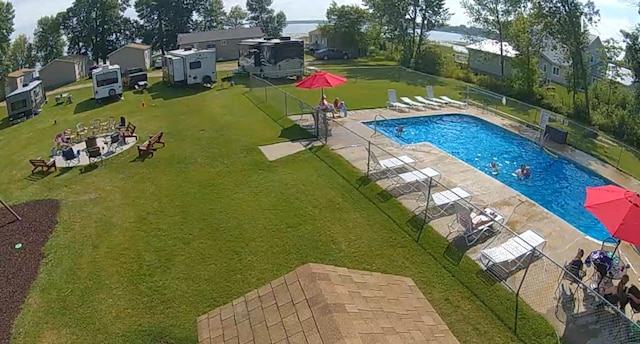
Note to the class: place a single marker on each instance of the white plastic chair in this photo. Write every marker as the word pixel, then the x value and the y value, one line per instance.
pixel 392 102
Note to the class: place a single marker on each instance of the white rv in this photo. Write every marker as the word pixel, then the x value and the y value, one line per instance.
pixel 107 82
pixel 190 66
pixel 272 58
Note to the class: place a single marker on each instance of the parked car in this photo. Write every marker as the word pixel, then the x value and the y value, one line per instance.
pixel 330 54
pixel 133 76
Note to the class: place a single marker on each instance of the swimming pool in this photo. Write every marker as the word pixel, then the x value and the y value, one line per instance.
pixel 556 184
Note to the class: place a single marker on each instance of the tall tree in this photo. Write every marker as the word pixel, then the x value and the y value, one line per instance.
pixel 21 53
pixel 7 15
pixel 407 22
pixel 94 26
pixel 263 16
pixel 494 16
pixel 346 25
pixel 632 57
pixel 525 36
pixel 566 22
pixel 212 16
pixel 163 20
pixel 236 17
pixel 48 40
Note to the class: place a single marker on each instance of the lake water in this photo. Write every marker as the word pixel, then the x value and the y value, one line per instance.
pixel 300 30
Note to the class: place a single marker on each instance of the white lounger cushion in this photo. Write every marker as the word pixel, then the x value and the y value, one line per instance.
pixel 429 102
pixel 450 196
pixel 397 162
pixel 423 174
pixel 408 101
pixel 445 98
pixel 398 105
pixel 514 248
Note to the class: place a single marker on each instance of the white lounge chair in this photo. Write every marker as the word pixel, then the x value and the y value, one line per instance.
pixel 413 104
pixel 410 180
pixel 511 255
pixel 465 221
pixel 388 166
pixel 431 96
pixel 454 102
pixel 428 103
pixel 392 102
pixel 443 200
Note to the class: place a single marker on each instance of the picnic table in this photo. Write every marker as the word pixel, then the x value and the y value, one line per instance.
pixel 64 98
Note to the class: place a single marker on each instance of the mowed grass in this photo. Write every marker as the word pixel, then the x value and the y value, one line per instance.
pixel 143 248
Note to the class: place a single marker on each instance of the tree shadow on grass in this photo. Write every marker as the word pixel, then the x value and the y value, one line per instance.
pixel 4 123
pixel 162 90
pixel 86 105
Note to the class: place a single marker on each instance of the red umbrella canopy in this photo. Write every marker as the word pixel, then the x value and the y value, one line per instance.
pixel 321 79
pixel 617 209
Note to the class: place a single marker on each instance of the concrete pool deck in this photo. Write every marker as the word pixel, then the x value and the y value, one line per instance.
pixel 563 240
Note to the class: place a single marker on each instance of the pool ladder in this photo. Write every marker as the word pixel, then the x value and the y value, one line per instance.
pixel 543 140
pixel 375 123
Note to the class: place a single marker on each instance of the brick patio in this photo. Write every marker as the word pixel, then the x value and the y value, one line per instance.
pixel 326 304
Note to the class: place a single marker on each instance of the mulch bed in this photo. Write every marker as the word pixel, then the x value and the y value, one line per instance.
pixel 19 267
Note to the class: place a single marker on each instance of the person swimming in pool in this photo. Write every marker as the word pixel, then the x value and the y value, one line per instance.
pixel 494 167
pixel 399 130
pixel 524 172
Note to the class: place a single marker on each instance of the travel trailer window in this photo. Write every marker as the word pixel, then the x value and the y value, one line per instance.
pixel 106 79
pixel 289 51
pixel 267 54
pixel 18 105
pixel 195 65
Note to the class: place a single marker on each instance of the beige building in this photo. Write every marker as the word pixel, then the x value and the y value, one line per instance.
pixel 65 70
pixel 17 79
pixel 225 41
pixel 132 55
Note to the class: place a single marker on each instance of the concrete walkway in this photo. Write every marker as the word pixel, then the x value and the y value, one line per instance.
pixel 349 139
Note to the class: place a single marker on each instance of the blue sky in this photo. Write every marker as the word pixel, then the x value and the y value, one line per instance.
pixel 616 14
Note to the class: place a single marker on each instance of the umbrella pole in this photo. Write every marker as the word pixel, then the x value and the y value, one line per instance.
pixel 614 253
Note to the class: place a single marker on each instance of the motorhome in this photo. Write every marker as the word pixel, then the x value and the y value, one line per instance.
pixel 107 82
pixel 272 58
pixel 25 101
pixel 190 66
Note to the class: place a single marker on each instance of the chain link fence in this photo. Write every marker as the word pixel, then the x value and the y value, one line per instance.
pixel 538 283
pixel 587 139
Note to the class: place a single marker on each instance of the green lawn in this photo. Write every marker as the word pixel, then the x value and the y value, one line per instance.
pixel 143 248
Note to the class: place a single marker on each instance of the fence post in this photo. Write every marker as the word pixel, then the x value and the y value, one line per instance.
pixel 265 94
pixel 426 211
pixel 620 157
pixel 286 108
pixel 368 157
pixel 526 270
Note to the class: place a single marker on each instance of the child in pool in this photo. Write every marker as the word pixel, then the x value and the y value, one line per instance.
pixel 494 167
pixel 399 130
pixel 524 172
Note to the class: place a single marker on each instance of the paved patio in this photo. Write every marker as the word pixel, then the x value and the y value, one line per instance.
pixel 563 240
pixel 104 142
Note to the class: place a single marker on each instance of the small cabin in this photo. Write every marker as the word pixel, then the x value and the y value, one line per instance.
pixel 25 102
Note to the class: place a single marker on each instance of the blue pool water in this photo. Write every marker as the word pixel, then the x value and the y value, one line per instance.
pixel 556 184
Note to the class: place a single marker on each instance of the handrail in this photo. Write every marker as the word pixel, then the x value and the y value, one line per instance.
pixel 375 122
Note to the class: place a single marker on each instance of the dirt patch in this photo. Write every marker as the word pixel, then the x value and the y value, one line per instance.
pixel 19 266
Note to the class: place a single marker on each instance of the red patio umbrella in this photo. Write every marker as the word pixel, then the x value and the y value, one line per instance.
pixel 617 209
pixel 321 79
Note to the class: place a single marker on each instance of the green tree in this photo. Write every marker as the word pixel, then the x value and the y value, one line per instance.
pixel 95 26
pixel 565 21
pixel 236 17
pixel 49 43
pixel 525 36
pixel 345 28
pixel 212 16
pixel 263 16
pixel 7 15
pixel 494 17
pixel 21 53
pixel 163 20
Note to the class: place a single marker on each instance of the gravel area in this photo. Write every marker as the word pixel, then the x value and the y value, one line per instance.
pixel 19 266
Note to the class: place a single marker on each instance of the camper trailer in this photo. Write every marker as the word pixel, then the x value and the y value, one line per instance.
pixel 190 66
pixel 107 82
pixel 25 102
pixel 272 58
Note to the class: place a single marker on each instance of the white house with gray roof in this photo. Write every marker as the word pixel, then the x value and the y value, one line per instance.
pixel 484 58
pixel 225 41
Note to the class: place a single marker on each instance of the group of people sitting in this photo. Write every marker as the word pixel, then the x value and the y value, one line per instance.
pixel 616 294
pixel 338 106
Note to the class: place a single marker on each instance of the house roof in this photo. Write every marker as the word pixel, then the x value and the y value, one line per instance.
pixel 315 32
pixel 138 46
pixel 20 72
pixel 68 58
pixel 327 304
pixel 218 35
pixel 555 52
pixel 493 47
pixel 620 74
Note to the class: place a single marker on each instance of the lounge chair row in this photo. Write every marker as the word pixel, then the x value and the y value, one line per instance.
pixel 420 102
pixel 472 226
